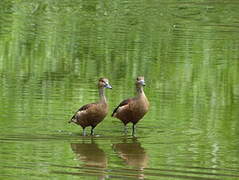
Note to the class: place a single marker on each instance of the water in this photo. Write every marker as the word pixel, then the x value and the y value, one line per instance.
pixel 52 54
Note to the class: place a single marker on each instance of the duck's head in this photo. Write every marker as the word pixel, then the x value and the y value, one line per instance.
pixel 104 83
pixel 140 81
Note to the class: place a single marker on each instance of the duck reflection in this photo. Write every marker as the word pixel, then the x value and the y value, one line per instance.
pixel 92 156
pixel 131 151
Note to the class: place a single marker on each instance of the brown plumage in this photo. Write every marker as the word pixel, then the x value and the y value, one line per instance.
pixel 92 114
pixel 133 109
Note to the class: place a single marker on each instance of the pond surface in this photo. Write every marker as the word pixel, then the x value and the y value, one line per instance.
pixel 52 54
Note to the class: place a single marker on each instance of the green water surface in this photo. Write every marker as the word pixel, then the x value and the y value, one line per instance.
pixel 52 53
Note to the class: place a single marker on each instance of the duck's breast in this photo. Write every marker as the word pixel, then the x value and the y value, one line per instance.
pixel 98 113
pixel 139 109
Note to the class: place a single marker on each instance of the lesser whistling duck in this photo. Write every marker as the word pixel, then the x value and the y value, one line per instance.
pixel 133 109
pixel 92 114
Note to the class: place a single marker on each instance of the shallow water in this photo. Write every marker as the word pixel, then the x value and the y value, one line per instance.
pixel 52 54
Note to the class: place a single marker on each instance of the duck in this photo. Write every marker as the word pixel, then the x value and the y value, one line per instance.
pixel 133 109
pixel 92 114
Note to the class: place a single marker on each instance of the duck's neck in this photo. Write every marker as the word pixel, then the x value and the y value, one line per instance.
pixel 102 95
pixel 140 92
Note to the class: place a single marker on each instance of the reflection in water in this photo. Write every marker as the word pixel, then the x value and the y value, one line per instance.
pixel 133 154
pixel 94 158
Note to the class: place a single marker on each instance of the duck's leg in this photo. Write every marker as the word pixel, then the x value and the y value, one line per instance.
pixel 92 130
pixel 84 132
pixel 133 129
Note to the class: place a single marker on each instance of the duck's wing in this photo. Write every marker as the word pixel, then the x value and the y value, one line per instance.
pixel 123 103
pixel 82 109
